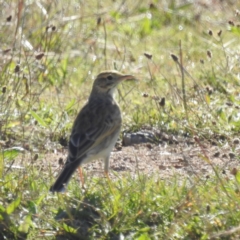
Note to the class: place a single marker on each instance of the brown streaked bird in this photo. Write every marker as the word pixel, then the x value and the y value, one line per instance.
pixel 96 128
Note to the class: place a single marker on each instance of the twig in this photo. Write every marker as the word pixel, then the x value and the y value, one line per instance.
pixel 183 80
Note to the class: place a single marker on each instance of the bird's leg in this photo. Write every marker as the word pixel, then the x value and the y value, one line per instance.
pixel 106 175
pixel 81 176
pixel 106 167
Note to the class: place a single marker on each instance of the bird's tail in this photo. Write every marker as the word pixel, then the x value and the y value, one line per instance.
pixel 64 176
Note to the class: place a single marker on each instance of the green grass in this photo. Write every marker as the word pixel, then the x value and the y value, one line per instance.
pixel 136 208
pixel 40 95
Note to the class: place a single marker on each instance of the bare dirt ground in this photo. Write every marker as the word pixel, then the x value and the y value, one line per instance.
pixel 170 156
pixel 185 157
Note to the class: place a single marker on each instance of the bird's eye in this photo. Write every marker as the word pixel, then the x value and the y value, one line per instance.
pixel 109 77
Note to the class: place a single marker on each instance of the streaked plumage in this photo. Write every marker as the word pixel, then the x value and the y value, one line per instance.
pixel 96 128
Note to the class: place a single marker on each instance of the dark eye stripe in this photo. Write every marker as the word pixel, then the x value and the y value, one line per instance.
pixel 109 77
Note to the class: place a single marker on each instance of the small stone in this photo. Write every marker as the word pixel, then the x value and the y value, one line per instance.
pixel 224 155
pixel 234 171
pixel 60 161
pixel 216 154
pixel 231 155
pixel 35 157
pixel 236 141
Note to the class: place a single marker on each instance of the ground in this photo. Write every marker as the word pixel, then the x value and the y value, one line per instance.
pixel 182 156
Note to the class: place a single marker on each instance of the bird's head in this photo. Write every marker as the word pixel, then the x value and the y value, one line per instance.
pixel 107 81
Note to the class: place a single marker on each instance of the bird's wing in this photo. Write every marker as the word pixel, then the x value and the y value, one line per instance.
pixel 90 128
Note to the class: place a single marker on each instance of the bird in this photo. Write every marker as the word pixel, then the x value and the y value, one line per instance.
pixel 95 129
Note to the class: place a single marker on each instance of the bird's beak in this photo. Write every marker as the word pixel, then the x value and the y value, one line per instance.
pixel 127 77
